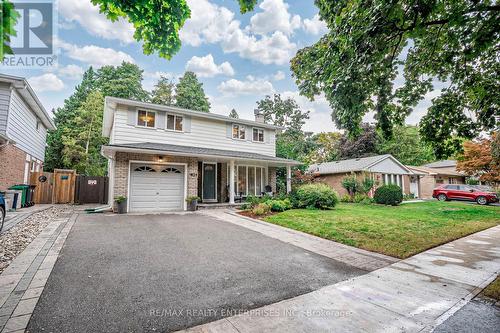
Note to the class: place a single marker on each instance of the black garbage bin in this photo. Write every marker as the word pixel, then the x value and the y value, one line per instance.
pixel 31 195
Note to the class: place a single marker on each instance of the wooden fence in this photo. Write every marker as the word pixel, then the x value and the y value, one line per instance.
pixel 65 186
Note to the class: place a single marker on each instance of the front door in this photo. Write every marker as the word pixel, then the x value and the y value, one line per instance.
pixel 209 181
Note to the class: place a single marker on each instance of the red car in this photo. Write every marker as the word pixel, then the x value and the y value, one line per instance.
pixel 479 194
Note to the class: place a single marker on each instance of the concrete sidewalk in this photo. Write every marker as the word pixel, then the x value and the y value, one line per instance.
pixel 413 295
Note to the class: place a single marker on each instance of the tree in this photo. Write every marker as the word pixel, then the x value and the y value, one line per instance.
pixel 361 146
pixel 325 148
pixel 370 43
pixel 65 148
pixel 8 22
pixel 163 92
pixel 285 113
pixel 83 139
pixel 234 114
pixel 124 81
pixel 190 93
pixel 407 146
pixel 62 118
pixel 477 160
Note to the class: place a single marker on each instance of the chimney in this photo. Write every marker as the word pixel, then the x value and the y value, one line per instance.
pixel 259 117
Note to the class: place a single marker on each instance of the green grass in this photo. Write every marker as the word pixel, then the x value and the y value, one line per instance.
pixel 493 290
pixel 399 231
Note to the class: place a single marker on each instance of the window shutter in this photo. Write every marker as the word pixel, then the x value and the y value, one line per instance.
pixel 267 136
pixel 249 133
pixel 229 130
pixel 160 120
pixel 131 116
pixel 186 124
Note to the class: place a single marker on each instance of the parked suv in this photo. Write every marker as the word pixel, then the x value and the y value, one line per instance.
pixel 480 194
pixel 2 211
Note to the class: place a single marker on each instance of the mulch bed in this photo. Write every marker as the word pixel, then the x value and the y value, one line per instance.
pixel 16 239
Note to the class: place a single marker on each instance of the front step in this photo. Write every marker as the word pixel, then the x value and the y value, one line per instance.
pixel 219 205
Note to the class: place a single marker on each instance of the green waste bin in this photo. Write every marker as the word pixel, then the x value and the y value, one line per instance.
pixel 24 195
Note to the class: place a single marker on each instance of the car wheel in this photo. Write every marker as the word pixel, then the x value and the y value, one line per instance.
pixel 2 217
pixel 442 197
pixel 482 200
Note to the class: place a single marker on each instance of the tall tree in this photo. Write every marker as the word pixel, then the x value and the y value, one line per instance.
pixel 124 81
pixel 234 114
pixel 7 23
pixel 361 146
pixel 83 139
pixel 283 112
pixel 407 146
pixel 62 118
pixel 370 42
pixel 163 92
pixel 190 94
pixel 477 160
pixel 326 146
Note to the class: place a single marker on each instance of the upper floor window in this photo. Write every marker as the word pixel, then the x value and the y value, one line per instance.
pixel 146 118
pixel 238 132
pixel 258 135
pixel 174 122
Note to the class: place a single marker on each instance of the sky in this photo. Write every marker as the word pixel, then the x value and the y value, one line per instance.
pixel 239 58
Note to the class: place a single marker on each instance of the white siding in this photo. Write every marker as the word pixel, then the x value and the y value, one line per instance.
pixel 388 166
pixel 21 128
pixel 4 105
pixel 206 133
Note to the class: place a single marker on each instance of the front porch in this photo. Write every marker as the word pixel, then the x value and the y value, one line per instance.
pixel 162 179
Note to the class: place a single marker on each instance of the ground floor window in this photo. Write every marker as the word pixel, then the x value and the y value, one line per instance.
pixel 392 179
pixel 248 179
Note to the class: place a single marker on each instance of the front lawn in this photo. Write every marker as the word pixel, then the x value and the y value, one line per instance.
pixel 399 231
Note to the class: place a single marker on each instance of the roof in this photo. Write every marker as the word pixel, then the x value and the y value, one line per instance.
pixel 111 102
pixel 442 164
pixel 25 90
pixel 351 165
pixel 197 151
pixel 434 171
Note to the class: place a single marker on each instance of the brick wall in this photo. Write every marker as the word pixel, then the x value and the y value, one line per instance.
pixel 271 178
pixel 12 163
pixel 427 184
pixel 122 169
pixel 335 181
pixel 223 183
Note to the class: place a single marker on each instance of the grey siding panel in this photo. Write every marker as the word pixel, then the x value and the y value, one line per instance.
pixel 4 106
pixel 205 133
pixel 21 128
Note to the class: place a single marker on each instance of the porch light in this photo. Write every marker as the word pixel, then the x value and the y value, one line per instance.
pixel 160 158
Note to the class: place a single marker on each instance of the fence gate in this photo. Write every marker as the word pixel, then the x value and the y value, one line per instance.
pixel 91 189
pixel 64 186
pixel 44 182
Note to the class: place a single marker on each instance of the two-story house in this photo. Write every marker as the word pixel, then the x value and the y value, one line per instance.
pixel 23 130
pixel 159 155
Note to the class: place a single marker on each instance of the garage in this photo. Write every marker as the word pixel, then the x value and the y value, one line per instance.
pixel 156 188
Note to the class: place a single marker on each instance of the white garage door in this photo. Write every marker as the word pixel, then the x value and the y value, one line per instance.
pixel 156 188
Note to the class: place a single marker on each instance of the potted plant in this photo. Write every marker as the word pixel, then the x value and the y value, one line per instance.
pixel 192 203
pixel 121 204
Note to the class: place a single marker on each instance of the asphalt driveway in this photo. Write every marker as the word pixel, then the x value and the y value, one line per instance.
pixel 168 272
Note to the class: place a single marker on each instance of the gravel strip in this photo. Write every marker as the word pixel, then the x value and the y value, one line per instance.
pixel 15 240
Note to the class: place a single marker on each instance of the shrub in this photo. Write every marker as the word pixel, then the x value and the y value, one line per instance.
pixel 279 205
pixel 358 197
pixel 388 195
pixel 366 185
pixel 315 196
pixel 252 201
pixel 346 198
pixel 351 184
pixel 261 209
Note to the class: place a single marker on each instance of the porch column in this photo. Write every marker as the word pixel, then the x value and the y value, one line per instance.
pixel 231 182
pixel 288 179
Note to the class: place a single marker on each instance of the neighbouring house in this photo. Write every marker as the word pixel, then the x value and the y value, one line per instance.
pixel 383 169
pixel 159 155
pixel 434 174
pixel 24 123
